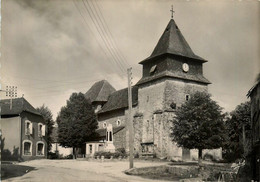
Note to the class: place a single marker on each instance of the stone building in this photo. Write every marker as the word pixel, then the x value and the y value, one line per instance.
pixel 254 95
pixel 23 131
pixel 169 76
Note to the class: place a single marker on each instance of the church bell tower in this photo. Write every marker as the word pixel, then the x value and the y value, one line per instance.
pixel 170 75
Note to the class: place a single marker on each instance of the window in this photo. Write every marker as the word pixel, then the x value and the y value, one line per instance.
pixel 40 148
pixel 27 147
pixel 104 125
pixel 152 70
pixel 90 149
pixel 118 122
pixel 28 127
pixel 187 97
pixel 41 130
pixel 110 136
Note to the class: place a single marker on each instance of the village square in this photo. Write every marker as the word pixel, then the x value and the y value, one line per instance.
pixel 75 108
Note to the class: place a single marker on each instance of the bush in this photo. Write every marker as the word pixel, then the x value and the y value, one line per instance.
pixel 53 155
pixel 208 157
pixel 107 155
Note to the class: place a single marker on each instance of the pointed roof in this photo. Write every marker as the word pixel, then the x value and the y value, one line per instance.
pixel 100 91
pixel 18 106
pixel 173 42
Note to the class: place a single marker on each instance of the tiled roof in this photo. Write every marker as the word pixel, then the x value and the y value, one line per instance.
pixel 100 91
pixel 173 42
pixel 179 75
pixel 119 100
pixel 18 106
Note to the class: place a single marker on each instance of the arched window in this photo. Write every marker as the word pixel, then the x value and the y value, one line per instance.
pixel 40 148
pixel 27 147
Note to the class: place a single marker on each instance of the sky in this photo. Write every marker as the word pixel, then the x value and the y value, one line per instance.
pixel 52 48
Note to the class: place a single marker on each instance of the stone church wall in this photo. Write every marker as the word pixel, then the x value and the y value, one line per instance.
pixel 176 91
pixel 111 118
pixel 163 144
pixel 119 139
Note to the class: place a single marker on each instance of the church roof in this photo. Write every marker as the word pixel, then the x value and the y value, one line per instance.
pixel 179 75
pixel 119 100
pixel 173 42
pixel 18 106
pixel 100 91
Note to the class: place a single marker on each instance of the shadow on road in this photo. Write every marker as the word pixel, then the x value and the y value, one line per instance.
pixel 13 170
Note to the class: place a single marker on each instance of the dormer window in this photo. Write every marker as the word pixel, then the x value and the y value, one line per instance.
pixel 152 70
pixel 28 127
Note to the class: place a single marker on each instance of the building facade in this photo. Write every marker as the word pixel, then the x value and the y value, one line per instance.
pixel 254 94
pixel 23 131
pixel 171 74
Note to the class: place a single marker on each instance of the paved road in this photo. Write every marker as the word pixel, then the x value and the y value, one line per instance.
pixel 75 170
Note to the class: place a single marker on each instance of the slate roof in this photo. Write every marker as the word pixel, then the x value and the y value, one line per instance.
pixel 100 91
pixel 173 42
pixel 102 132
pixel 18 106
pixel 179 75
pixel 119 100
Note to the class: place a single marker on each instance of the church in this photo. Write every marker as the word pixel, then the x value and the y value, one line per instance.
pixel 169 76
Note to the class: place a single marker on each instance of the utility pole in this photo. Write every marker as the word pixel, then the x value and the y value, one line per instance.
pixel 130 122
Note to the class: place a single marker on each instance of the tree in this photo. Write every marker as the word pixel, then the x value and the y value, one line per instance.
pixel 47 116
pixel 77 122
pixel 199 124
pixel 238 132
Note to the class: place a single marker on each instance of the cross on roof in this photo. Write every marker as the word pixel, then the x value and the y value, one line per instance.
pixel 172 11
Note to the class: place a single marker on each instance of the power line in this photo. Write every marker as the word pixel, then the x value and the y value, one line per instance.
pixel 104 24
pixel 88 26
pixel 101 35
pixel 108 34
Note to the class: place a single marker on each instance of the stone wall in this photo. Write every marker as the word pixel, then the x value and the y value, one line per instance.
pixel 164 146
pixel 119 139
pixel 176 91
pixel 138 133
pixel 112 118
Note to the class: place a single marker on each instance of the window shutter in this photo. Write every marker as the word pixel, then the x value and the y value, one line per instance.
pixel 43 130
pixel 25 128
pixel 31 128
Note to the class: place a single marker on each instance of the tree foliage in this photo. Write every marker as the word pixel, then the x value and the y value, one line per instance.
pixel 199 124
pixel 239 118
pixel 48 118
pixel 76 122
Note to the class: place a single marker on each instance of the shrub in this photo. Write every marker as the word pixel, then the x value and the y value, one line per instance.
pixel 208 157
pixel 52 155
pixel 107 155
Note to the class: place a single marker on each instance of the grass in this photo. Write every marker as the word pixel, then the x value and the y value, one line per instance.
pixel 13 170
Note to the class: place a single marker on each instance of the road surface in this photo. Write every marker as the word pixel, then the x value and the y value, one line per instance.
pixel 80 170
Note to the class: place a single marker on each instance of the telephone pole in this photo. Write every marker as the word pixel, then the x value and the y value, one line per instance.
pixel 130 122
